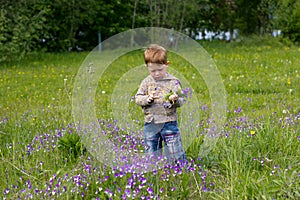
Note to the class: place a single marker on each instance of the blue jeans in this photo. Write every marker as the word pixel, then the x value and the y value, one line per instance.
pixel 168 133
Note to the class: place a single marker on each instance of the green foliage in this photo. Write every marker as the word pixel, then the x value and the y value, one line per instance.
pixel 71 146
pixel 21 24
pixel 250 162
pixel 289 19
pixel 71 24
pixel 63 25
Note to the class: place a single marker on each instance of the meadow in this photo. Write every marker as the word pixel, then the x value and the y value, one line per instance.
pixel 257 154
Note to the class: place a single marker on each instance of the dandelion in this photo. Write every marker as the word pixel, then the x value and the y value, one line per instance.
pixel 289 81
pixel 252 132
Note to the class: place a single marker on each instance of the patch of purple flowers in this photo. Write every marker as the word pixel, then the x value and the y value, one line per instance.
pixel 87 178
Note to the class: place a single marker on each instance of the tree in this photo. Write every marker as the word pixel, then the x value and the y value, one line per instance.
pixel 21 24
pixel 266 14
pixel 288 19
pixel 67 23
pixel 63 25
pixel 225 15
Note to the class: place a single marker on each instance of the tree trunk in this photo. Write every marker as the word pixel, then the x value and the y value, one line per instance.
pixel 164 19
pixel 133 22
pixel 181 24
pixel 158 14
pixel 151 12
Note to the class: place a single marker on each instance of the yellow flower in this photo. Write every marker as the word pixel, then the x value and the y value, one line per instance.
pixel 289 81
pixel 252 132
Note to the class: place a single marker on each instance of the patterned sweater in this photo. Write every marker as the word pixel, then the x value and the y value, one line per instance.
pixel 160 110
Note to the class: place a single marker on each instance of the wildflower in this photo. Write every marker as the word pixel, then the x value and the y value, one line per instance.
pixel 161 190
pixel 36 190
pixel 127 192
pixel 177 82
pixel 181 93
pixel 143 180
pixel 150 190
pixel 238 110
pixel 204 107
pixel 28 183
pixel 109 193
pixel 64 189
pixel 252 132
pixel 289 81
pixel 6 191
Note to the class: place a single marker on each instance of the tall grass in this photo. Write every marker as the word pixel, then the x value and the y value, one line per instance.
pixel 256 157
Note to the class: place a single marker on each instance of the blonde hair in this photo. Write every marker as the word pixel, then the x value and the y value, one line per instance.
pixel 155 54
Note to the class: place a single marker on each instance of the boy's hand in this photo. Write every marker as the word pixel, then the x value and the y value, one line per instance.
pixel 173 97
pixel 151 97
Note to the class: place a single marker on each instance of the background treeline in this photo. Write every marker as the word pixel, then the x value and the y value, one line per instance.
pixel 72 25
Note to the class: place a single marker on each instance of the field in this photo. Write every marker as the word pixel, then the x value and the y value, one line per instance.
pixel 256 156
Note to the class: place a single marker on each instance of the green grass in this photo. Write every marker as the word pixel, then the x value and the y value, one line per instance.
pixel 257 155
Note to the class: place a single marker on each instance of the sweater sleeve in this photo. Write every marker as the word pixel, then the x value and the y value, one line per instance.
pixel 142 94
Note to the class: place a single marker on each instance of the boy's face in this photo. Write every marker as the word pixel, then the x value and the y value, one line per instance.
pixel 157 71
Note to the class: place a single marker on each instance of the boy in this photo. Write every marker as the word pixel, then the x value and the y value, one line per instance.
pixel 160 112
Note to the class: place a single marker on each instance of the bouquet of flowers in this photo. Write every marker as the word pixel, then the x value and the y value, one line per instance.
pixel 185 93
